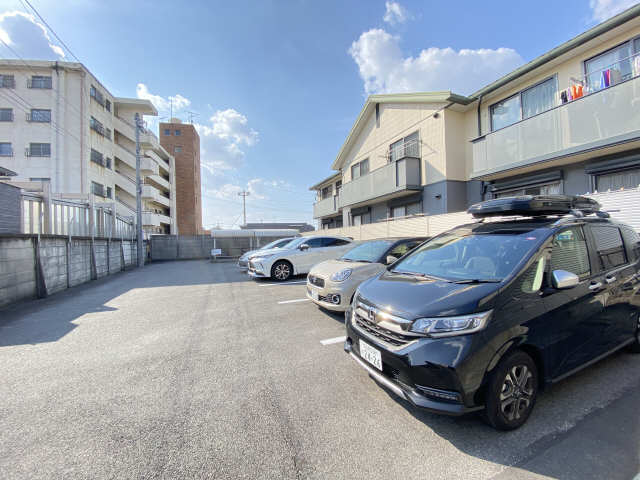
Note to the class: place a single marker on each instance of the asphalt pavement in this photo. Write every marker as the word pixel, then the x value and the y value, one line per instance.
pixel 192 370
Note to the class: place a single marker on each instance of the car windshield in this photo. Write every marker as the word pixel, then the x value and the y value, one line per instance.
pixel 276 244
pixel 367 252
pixel 459 256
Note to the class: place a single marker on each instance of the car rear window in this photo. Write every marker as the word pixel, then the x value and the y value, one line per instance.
pixel 609 246
pixel 570 252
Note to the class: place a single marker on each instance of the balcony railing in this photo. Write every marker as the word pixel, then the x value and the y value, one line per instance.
pixel 598 119
pixel 327 206
pixel 392 178
pixel 409 149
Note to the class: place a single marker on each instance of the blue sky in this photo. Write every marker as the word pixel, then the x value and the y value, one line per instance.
pixel 276 85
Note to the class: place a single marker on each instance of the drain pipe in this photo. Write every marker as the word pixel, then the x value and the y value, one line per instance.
pixel 479 117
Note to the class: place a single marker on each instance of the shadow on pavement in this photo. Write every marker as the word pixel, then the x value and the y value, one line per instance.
pixel 585 427
pixel 51 318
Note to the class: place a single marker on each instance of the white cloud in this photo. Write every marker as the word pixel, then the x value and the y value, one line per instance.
pixel 395 13
pixel 161 103
pixel 28 37
pixel 605 9
pixel 256 187
pixel 224 140
pixel 385 69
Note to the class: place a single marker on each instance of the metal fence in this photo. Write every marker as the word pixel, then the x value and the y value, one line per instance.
pixel 73 218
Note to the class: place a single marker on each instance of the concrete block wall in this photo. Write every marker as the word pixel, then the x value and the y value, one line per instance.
pixel 17 270
pixel 80 262
pixel 115 261
pixel 64 263
pixel 53 258
pixel 102 266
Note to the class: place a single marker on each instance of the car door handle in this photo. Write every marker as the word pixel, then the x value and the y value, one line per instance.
pixel 610 279
pixel 595 286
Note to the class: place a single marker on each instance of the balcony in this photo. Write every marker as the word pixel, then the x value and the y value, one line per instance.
pixel 147 165
pixel 394 179
pixel 326 207
pixel 126 183
pixel 124 127
pixel 155 219
pixel 602 119
pixel 158 180
pixel 149 140
pixel 151 193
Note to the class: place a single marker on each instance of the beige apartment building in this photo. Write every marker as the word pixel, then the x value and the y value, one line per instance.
pixel 59 126
pixel 567 122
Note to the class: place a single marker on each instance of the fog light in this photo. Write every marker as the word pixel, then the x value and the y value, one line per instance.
pixel 335 299
pixel 440 394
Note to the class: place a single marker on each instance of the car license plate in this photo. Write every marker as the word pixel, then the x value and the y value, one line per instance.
pixel 371 355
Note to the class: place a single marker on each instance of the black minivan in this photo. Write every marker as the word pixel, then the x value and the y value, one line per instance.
pixel 483 316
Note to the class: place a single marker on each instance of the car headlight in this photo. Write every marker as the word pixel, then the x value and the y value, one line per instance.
pixel 262 258
pixel 341 276
pixel 450 326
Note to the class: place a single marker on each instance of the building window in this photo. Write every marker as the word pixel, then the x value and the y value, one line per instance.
pixel 618 180
pixel 6 150
pixel 108 192
pixel 40 179
pixel 167 132
pixel 359 169
pixel 98 189
pixel 7 81
pixel 408 146
pixel 325 192
pixel 361 219
pixel 39 81
pixel 618 61
pixel 99 159
pixel 96 126
pixel 39 150
pixel 6 114
pixel 406 210
pixel 177 149
pixel 177 133
pixel 107 105
pixel 525 104
pixel 546 189
pixel 39 115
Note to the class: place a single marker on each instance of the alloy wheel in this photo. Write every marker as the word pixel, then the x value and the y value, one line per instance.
pixel 282 271
pixel 517 392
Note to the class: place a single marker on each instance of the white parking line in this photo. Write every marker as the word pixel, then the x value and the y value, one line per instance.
pixel 272 284
pixel 331 341
pixel 294 301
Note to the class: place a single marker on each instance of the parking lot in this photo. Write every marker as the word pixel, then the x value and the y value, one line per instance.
pixel 193 370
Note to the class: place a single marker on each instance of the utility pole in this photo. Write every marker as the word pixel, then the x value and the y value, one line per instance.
pixel 244 194
pixel 140 239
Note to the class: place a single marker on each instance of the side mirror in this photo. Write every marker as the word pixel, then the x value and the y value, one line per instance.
pixel 391 259
pixel 562 280
pixel 304 247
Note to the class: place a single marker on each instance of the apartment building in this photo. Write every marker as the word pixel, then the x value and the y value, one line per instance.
pixel 59 125
pixel 183 142
pixel 566 122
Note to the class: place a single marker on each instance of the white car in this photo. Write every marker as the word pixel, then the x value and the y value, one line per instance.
pixel 243 261
pixel 298 256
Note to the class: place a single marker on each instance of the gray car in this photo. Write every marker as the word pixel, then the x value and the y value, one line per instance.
pixel 243 261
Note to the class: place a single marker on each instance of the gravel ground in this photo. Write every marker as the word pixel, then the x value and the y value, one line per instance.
pixel 192 370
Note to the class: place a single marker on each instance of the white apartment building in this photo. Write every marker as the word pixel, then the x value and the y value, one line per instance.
pixel 60 125
pixel 567 122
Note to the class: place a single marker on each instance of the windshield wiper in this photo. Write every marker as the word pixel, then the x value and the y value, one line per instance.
pixel 478 280
pixel 421 275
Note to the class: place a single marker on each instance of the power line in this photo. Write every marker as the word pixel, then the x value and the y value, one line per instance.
pixel 51 29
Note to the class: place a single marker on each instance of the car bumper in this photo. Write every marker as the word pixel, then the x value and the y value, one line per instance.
pixel 256 270
pixel 435 386
pixel 344 290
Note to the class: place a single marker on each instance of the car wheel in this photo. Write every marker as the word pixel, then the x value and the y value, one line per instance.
pixel 635 346
pixel 281 271
pixel 512 392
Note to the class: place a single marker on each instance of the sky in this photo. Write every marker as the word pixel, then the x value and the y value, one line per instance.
pixel 273 87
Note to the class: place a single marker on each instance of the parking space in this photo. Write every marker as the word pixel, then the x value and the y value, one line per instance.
pixel 191 369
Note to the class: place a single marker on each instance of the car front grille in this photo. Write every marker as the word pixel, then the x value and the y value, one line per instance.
pixel 387 336
pixel 317 281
